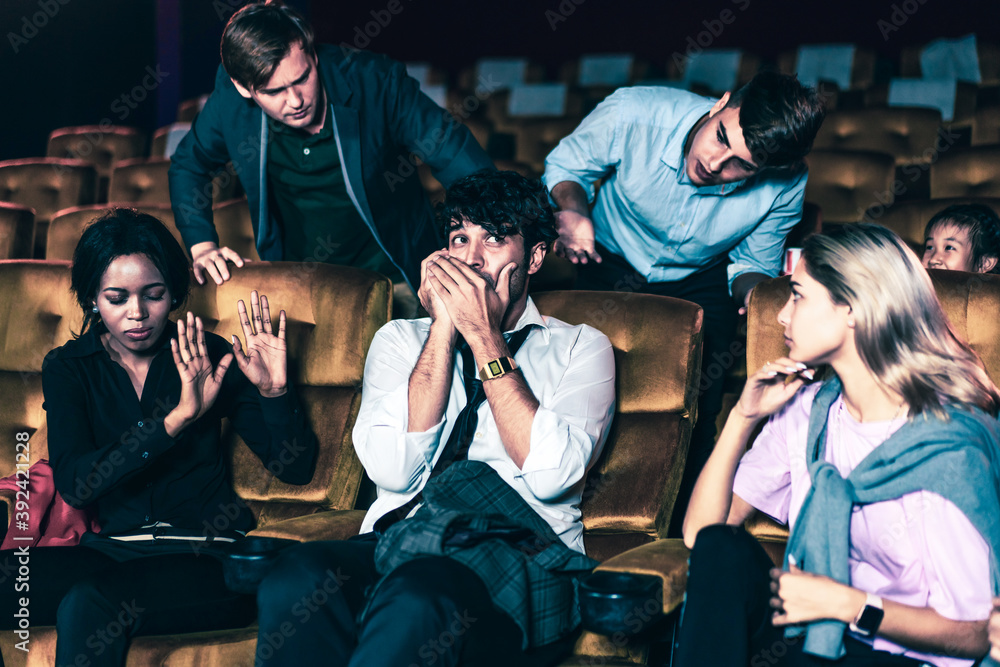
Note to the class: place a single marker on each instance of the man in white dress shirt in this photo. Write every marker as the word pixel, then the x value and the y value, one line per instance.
pixel 549 400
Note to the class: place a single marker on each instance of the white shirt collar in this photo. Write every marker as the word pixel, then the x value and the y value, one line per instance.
pixel 531 316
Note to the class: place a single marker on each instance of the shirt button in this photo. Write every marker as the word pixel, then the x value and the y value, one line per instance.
pixel 479 434
pixel 140 423
pixel 305 151
pixel 145 455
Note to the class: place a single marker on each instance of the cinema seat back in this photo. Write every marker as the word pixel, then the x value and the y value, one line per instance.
pixel 973 172
pixel 17 231
pixel 845 184
pixel 68 225
pixel 141 180
pixel 37 313
pixel 630 493
pixel 47 185
pixel 332 314
pixel 235 228
pixel 908 134
pixel 101 145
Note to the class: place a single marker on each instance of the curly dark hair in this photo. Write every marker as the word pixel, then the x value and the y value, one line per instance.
pixel 779 117
pixel 121 232
pixel 982 225
pixel 503 203
pixel 258 37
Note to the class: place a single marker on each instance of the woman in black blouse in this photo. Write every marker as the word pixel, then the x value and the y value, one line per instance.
pixel 134 407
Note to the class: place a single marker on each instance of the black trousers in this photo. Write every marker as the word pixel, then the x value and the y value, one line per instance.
pixel 727 617
pixel 323 603
pixel 98 602
pixel 709 288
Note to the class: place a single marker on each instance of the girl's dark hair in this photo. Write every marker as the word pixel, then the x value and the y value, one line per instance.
pixel 981 224
pixel 121 232
pixel 503 203
pixel 258 37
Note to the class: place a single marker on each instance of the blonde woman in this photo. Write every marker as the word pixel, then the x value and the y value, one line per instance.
pixel 886 473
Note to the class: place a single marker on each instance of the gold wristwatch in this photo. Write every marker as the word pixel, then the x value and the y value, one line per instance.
pixel 497 368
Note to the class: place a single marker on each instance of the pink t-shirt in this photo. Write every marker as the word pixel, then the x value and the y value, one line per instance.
pixel 918 549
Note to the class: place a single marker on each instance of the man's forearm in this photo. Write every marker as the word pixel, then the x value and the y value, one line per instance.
pixel 743 283
pixel 430 380
pixel 511 400
pixel 570 196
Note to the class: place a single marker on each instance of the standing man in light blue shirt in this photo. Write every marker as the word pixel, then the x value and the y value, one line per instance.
pixel 696 198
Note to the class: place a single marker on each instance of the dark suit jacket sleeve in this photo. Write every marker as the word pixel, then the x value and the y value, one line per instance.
pixel 199 155
pixel 436 136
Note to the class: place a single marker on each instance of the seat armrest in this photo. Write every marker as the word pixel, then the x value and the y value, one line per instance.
pixel 667 559
pixel 332 525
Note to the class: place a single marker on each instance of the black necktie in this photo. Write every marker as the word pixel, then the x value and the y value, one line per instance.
pixel 457 447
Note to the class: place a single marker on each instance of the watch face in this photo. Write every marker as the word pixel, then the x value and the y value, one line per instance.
pixel 870 619
pixel 495 368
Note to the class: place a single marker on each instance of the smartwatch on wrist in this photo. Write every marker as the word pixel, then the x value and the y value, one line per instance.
pixel 869 618
pixel 497 368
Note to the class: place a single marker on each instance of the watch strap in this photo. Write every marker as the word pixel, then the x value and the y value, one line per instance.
pixel 497 368
pixel 869 618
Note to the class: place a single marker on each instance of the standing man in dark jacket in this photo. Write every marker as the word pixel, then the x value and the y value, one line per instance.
pixel 318 139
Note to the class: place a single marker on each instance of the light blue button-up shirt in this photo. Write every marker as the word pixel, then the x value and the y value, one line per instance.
pixel 648 210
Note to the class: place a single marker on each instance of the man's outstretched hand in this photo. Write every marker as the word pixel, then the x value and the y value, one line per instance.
pixel 209 258
pixel 576 240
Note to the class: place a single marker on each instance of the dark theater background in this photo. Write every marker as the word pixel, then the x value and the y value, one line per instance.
pixel 76 62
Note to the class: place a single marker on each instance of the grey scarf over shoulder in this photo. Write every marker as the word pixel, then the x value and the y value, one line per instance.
pixel 957 458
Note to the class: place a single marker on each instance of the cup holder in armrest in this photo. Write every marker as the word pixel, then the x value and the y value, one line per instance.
pixel 613 602
pixel 246 562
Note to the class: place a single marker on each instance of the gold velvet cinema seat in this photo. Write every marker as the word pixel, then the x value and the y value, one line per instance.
pixel 47 185
pixel 972 172
pixel 333 313
pixel 845 184
pixel 657 341
pixel 17 231
pixel 103 145
pixel 910 135
pixel 166 138
pixel 971 302
pixel 140 180
pixel 232 222
pixel 67 225
pixel 144 181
